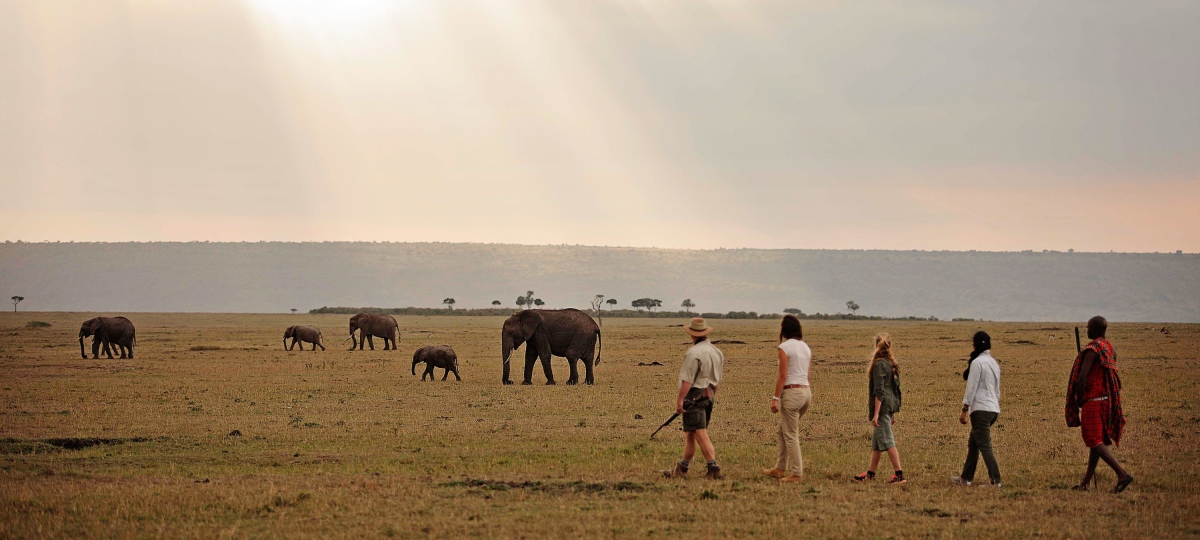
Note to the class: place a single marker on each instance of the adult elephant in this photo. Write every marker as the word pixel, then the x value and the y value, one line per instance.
pixel 569 333
pixel 436 356
pixel 302 334
pixel 115 331
pixel 371 324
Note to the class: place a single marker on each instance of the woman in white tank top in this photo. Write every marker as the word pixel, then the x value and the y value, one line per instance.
pixel 791 399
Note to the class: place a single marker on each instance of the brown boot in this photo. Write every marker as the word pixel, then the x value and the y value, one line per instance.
pixel 714 473
pixel 677 472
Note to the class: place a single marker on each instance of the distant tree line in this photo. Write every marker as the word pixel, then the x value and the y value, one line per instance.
pixel 618 313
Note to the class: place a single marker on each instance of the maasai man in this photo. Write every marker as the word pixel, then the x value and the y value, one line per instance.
pixel 1094 403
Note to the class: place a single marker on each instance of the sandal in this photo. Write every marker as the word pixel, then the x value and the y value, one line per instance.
pixel 1122 484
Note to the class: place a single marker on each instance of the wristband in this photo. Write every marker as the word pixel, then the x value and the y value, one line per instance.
pixel 966 408
pixel 774 398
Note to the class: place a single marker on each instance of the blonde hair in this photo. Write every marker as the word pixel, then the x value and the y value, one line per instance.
pixel 883 350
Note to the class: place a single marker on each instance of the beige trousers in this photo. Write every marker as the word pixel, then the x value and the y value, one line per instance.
pixel 792 405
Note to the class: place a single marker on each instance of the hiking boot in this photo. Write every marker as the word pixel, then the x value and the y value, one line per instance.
pixel 678 472
pixel 792 478
pixel 866 475
pixel 958 481
pixel 714 473
pixel 897 479
pixel 775 473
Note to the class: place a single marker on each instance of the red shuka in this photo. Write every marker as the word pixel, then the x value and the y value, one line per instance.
pixel 1114 422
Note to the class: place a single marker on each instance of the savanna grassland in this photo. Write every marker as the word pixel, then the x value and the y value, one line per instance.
pixel 351 444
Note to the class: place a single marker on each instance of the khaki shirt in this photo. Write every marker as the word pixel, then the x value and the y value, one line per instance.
pixel 702 365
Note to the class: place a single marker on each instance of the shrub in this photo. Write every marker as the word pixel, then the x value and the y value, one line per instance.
pixel 37 324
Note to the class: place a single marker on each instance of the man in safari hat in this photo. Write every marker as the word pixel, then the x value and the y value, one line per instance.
pixel 698 380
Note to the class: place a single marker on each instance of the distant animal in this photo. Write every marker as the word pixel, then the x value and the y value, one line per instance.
pixel 1164 331
pixel 436 356
pixel 569 333
pixel 302 334
pixel 116 332
pixel 381 326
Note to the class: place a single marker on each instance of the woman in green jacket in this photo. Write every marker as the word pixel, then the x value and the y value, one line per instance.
pixel 883 403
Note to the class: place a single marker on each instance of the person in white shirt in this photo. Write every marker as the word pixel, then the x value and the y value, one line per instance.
pixel 981 403
pixel 791 399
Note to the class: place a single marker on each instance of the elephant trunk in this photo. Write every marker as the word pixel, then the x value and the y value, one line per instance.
pixel 508 347
pixel 285 343
pixel 82 351
pixel 416 360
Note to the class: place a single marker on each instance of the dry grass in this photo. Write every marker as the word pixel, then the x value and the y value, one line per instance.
pixel 351 444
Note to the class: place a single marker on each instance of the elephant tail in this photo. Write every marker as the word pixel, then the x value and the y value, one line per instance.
pixel 133 339
pixel 599 347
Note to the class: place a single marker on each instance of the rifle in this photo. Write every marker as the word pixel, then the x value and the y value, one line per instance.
pixel 1078 347
pixel 687 404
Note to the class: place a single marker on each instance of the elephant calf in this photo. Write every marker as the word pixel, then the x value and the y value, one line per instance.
pixel 436 356
pixel 302 335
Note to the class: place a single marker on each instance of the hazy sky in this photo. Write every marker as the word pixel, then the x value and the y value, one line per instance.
pixel 669 123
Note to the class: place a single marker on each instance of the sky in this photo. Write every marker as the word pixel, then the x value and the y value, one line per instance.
pixel 660 123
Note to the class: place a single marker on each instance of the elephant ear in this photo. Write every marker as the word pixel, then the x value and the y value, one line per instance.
pixel 533 327
pixel 530 323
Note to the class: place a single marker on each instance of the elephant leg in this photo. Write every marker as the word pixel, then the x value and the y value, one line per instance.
pixel 371 341
pixel 122 348
pixel 95 348
pixel 131 351
pixel 546 368
pixel 445 374
pixel 456 377
pixel 320 345
pixel 428 371
pixel 107 350
pixel 587 366
pixel 574 379
pixel 530 357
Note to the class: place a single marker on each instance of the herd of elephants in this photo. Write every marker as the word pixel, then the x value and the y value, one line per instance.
pixel 569 333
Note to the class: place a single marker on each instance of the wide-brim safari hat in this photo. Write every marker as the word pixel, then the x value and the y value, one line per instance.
pixel 698 328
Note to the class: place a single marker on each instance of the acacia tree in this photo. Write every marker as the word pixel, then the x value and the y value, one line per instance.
pixel 294 311
pixel 794 311
pixel 687 305
pixel 612 303
pixel 16 300
pixel 852 306
pixel 496 303
pixel 538 302
pixel 521 302
pixel 653 303
pixel 638 304
pixel 449 303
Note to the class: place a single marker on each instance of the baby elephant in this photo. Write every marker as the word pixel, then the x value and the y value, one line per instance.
pixel 439 356
pixel 302 334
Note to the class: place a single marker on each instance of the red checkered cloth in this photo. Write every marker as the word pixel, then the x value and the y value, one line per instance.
pixel 1112 417
pixel 1091 424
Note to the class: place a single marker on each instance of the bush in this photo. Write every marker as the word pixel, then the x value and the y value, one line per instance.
pixel 37 324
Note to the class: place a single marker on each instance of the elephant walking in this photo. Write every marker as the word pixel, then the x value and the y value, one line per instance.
pixel 381 326
pixel 569 333
pixel 301 335
pixel 436 356
pixel 117 332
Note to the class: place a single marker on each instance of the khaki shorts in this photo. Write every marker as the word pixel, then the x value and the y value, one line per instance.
pixel 697 416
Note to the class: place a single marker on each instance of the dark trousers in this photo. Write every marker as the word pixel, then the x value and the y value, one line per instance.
pixel 981 443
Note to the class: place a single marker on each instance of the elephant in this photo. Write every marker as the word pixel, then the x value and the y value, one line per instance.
pixel 383 326
pixel 115 331
pixel 569 333
pixel 436 356
pixel 302 334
